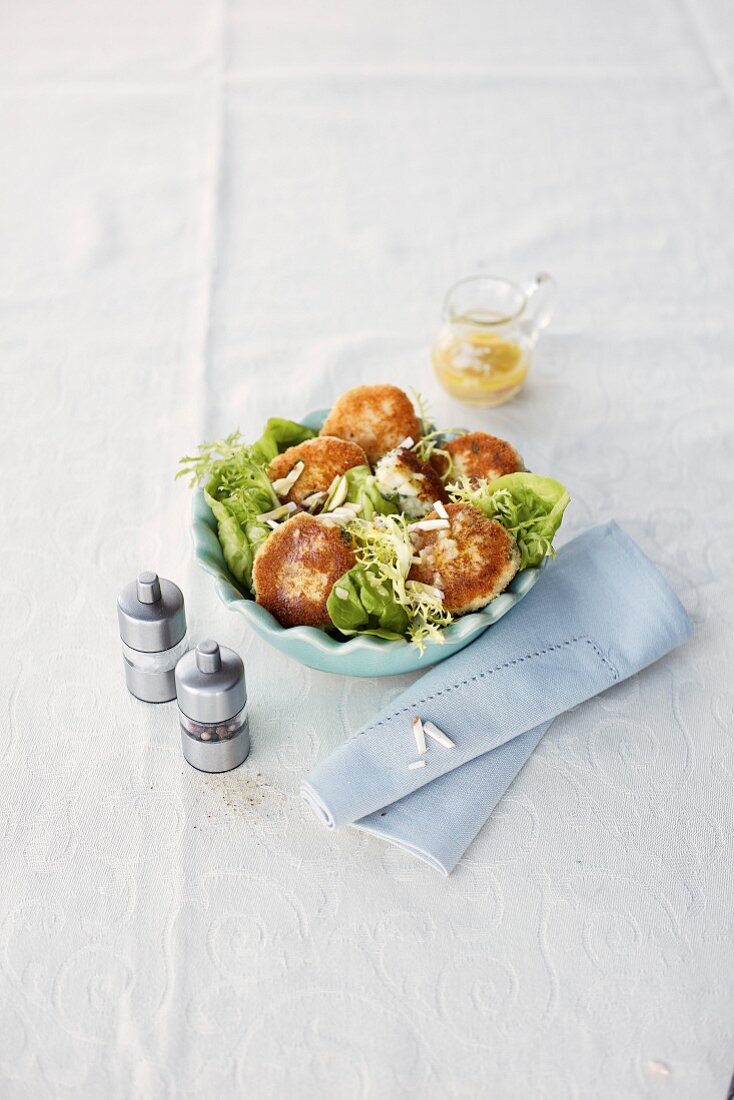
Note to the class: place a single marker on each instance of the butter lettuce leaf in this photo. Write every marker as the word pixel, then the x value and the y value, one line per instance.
pixel 362 489
pixel 362 602
pixel 236 510
pixel 528 506
pixel 278 435
pixel 238 490
pixel 376 596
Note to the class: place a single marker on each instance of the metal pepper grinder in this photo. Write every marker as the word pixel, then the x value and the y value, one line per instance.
pixel 152 618
pixel 212 704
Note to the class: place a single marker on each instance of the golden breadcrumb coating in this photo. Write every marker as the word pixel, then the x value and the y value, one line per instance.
pixel 296 567
pixel 471 562
pixel 323 458
pixel 376 417
pixel 479 455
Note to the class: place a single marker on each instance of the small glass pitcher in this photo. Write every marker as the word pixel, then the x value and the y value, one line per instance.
pixel 491 325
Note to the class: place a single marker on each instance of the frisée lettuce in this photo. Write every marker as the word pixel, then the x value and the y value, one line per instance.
pixel 238 489
pixel 376 597
pixel 528 506
pixel 362 489
pixel 363 602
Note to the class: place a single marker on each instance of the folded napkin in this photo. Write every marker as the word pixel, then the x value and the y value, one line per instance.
pixel 600 613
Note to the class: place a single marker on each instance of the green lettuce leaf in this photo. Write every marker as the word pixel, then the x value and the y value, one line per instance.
pixel 376 596
pixel 238 550
pixel 362 603
pixel 238 490
pixel 278 435
pixel 529 506
pixel 362 489
pixel 237 494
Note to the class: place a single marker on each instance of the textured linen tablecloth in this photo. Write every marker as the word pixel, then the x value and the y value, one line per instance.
pixel 210 212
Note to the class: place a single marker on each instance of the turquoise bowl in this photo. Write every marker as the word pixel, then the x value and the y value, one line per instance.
pixel 357 656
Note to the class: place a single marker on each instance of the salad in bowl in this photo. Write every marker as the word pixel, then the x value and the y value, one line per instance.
pixel 363 540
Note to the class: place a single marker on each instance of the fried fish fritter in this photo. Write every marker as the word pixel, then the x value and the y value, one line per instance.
pixel 376 417
pixel 414 485
pixel 471 562
pixel 323 459
pixel 296 567
pixel 479 455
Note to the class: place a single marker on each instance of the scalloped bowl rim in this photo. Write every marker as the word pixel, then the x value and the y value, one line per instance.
pixel 329 653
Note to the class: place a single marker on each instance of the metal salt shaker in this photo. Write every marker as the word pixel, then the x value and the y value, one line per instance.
pixel 152 618
pixel 212 704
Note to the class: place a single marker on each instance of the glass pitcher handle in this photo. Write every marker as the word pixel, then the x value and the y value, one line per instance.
pixel 541 293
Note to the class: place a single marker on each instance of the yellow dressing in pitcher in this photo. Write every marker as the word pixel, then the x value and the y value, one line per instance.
pixel 479 365
pixel 490 327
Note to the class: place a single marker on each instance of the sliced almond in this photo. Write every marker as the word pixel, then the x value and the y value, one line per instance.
pixel 339 515
pixel 279 513
pixel 420 737
pixel 431 525
pixel 283 485
pixel 438 735
pixel 313 500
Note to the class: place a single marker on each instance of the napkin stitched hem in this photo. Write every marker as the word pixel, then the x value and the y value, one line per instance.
pixel 498 668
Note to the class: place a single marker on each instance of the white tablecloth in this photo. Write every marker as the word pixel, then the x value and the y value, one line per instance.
pixel 211 212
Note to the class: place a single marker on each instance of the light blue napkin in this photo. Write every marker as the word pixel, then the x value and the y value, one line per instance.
pixel 600 613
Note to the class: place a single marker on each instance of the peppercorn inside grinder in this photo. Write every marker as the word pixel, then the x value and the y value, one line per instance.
pixel 212 706
pixel 152 621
